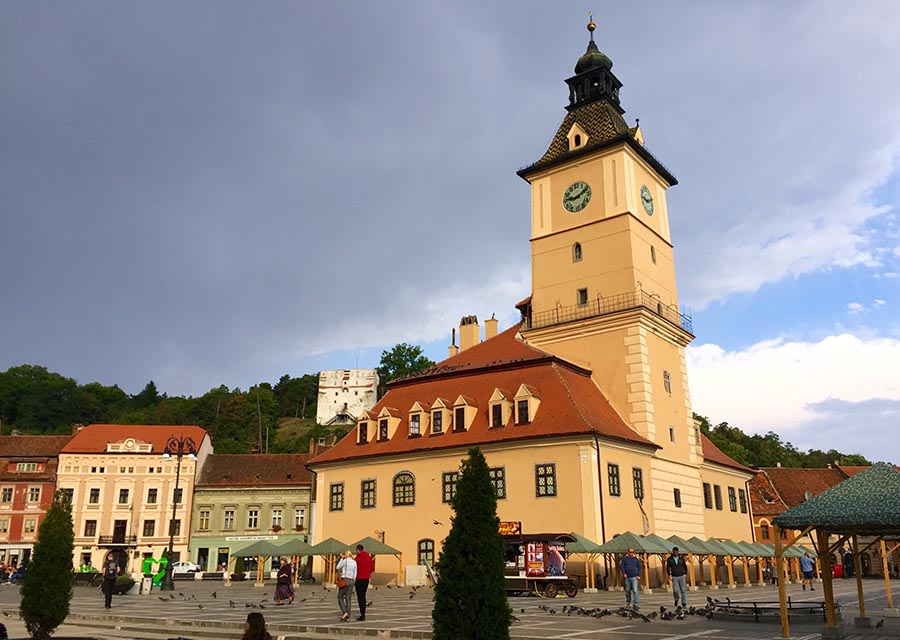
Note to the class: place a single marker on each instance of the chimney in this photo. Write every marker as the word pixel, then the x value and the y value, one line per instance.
pixel 454 350
pixel 312 446
pixel 76 429
pixel 469 332
pixel 490 327
pixel 778 464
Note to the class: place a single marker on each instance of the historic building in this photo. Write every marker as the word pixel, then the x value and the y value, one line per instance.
pixel 344 394
pixel 245 497
pixel 121 480
pixel 582 409
pixel 27 484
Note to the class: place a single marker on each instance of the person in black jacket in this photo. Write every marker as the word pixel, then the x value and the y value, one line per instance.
pixel 676 569
pixel 111 571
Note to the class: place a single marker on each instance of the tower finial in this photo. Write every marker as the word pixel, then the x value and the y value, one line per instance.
pixel 591 26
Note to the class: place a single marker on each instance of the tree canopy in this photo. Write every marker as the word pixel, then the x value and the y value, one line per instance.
pixel 401 361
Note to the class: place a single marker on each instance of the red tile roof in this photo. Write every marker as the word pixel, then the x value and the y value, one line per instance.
pixel 851 471
pixel 791 485
pixel 32 446
pixel 764 499
pixel 236 470
pixel 571 404
pixel 712 453
pixel 94 437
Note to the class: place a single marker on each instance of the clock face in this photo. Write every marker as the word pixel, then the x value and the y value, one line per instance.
pixel 647 200
pixel 577 196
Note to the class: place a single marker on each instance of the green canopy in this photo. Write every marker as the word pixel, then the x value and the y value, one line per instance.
pixel 582 545
pixel 759 550
pixel 736 551
pixel 329 547
pixel 375 547
pixel 701 546
pixel 660 541
pixel 294 547
pixel 259 548
pixel 718 549
pixel 744 548
pixel 804 550
pixel 865 504
pixel 687 546
pixel 625 541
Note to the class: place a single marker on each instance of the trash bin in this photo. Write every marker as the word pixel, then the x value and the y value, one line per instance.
pixel 146 585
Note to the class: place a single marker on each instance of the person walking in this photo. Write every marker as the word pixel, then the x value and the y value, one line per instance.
pixel 631 572
pixel 255 627
pixel 284 589
pixel 111 571
pixel 347 566
pixel 808 569
pixel 365 565
pixel 676 569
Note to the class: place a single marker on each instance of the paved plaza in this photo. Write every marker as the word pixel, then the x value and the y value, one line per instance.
pixel 208 610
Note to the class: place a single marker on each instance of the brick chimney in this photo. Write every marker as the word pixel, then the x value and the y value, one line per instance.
pixel 490 327
pixel 469 332
pixel 454 350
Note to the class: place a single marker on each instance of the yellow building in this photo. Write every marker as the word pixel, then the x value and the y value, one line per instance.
pixel 582 410
pixel 122 490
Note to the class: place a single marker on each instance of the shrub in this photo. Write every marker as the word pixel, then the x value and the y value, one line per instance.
pixel 123 584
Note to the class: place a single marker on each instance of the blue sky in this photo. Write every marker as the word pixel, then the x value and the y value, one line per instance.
pixel 221 193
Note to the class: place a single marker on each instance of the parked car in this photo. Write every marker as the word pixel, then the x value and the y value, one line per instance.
pixel 185 567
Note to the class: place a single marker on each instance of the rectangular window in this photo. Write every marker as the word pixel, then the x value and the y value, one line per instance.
pixel 203 525
pixel 448 485
pixel 742 498
pixel 363 432
pixel 415 425
pixel 4 525
pixel 276 518
pixel 336 497
pixel 34 494
pixel 671 434
pixel 367 494
pixel 68 495
pixel 174 527
pixel 732 499
pixel 437 421
pixel 150 528
pixel 782 533
pixel 123 496
pixel 764 531
pixel 615 488
pixel 707 495
pixel 677 496
pixel 581 297
pixel 29 526
pixel 667 381
pixel 383 430
pixel 638 476
pixel 94 496
pixel 299 518
pixel 151 496
pixel 90 528
pixel 228 519
pixel 498 479
pixel 459 422
pixel 522 412
pixel 717 491
pixel 177 495
pixel 545 479
pixel 253 518
pixel 6 494
pixel 497 415
pixel 26 466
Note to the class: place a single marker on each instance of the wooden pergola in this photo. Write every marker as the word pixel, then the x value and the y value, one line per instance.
pixel 377 548
pixel 868 504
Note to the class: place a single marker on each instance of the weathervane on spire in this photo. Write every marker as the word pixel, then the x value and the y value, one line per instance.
pixel 591 26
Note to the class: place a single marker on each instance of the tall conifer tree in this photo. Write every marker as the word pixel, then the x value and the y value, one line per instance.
pixel 470 600
pixel 47 585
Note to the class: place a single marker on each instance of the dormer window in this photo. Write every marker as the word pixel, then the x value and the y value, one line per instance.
pixel 459 423
pixel 522 412
pixel 415 425
pixel 527 401
pixel 497 415
pixel 501 408
pixel 577 140
pixel 383 430
pixel 437 421
pixel 363 436
pixel 577 137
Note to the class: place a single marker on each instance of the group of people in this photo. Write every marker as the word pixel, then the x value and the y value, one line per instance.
pixel 355 574
pixel 10 573
pixel 676 570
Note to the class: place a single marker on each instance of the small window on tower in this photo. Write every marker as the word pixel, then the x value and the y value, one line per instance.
pixel 576 252
pixel 577 140
pixel 582 297
pixel 653 253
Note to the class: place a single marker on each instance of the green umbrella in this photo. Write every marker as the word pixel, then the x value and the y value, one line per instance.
pixel 582 545
pixel 295 547
pixel 628 540
pixel 375 547
pixel 329 547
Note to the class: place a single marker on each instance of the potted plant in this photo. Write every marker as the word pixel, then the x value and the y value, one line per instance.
pixel 123 584
pixel 238 569
pixel 276 528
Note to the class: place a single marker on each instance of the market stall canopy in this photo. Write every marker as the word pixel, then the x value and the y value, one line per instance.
pixel 628 540
pixel 375 547
pixel 662 542
pixel 329 547
pixel 865 504
pixel 582 545
pixel 732 546
pixel 717 548
pixel 295 547
pixel 259 548
pixel 701 545
pixel 687 546
pixel 759 550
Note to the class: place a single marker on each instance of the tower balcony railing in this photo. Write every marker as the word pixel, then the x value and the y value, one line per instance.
pixel 610 304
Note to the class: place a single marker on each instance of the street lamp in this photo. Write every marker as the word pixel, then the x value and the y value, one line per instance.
pixel 176 448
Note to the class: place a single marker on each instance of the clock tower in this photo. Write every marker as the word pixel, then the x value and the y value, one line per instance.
pixel 604 293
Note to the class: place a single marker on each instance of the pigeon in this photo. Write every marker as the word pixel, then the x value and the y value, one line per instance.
pixel 411 596
pixel 163 599
pixel 181 594
pixel 200 606
pixel 368 604
pixel 262 606
pixel 515 619
pixel 214 594
pixel 171 596
pixel 522 610
pixel 879 624
pixel 231 604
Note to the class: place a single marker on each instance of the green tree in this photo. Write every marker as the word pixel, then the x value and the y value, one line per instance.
pixel 470 598
pixel 401 361
pixel 47 585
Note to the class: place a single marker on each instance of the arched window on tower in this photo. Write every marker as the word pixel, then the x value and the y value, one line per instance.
pixel 576 252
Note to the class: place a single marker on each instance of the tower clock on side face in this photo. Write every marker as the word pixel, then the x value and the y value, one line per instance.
pixel 577 196
pixel 647 200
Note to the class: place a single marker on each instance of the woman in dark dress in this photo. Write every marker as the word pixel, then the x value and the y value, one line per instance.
pixel 284 591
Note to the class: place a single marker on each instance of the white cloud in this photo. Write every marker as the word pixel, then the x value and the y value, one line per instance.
pixel 856 307
pixel 793 388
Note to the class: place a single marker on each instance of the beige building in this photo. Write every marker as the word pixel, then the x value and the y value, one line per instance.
pixel 583 409
pixel 123 490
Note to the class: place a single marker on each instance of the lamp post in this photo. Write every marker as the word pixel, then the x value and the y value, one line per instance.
pixel 176 448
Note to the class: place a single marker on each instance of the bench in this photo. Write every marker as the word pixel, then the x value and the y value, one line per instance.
pixel 768 611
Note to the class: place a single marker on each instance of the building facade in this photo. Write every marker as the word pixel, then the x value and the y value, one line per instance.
pixel 344 394
pixel 242 498
pixel 121 480
pixel 583 409
pixel 27 485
